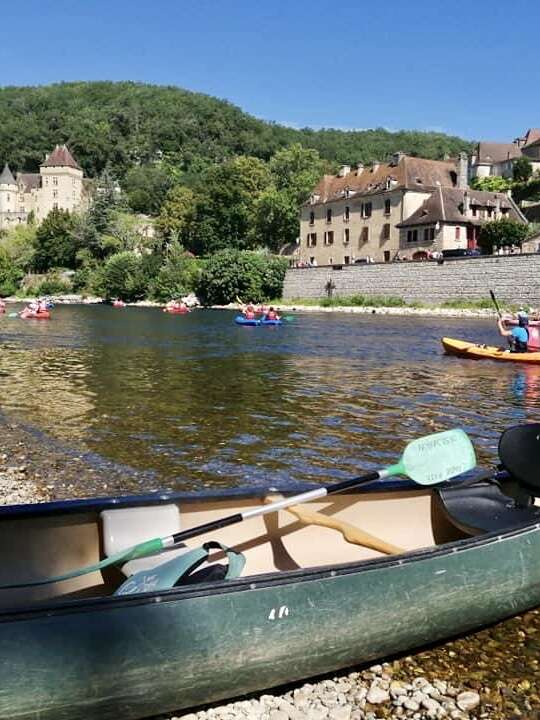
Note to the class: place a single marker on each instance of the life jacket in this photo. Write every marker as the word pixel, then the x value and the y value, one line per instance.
pixel 271 315
pixel 520 346
pixel 249 315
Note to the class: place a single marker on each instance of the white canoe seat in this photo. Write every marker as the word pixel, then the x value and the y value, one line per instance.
pixel 125 527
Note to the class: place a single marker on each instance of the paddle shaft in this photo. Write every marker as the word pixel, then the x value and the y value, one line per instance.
pixel 274 507
pixel 495 303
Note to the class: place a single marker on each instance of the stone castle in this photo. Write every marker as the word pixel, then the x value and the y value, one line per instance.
pixel 59 184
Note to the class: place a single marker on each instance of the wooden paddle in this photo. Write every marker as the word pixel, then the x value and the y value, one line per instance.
pixel 351 533
pixel 427 461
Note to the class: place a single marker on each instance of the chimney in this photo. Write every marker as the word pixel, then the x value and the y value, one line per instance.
pixel 344 170
pixel 497 206
pixel 466 203
pixel 359 168
pixel 397 157
pixel 463 169
pixel 375 165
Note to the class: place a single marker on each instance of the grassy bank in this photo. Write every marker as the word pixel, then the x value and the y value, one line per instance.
pixel 392 301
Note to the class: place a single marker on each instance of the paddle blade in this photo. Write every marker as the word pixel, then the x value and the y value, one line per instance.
pixel 438 457
pixel 519 452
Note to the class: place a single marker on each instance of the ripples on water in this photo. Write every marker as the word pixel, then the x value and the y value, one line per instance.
pixel 186 401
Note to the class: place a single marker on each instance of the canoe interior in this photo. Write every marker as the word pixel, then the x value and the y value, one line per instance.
pixel 49 545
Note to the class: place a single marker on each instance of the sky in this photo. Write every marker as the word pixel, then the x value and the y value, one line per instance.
pixel 465 68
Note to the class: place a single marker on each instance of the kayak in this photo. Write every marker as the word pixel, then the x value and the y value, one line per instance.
pixel 31 315
pixel 241 320
pixel 474 351
pixel 176 311
pixel 314 602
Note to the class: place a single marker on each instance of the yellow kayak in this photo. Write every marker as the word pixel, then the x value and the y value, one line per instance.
pixel 465 349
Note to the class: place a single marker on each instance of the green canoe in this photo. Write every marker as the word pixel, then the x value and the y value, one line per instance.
pixel 307 603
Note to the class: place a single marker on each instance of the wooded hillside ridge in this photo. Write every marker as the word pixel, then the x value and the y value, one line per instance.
pixel 124 125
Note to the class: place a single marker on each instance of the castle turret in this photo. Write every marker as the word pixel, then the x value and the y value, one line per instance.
pixel 8 196
pixel 61 183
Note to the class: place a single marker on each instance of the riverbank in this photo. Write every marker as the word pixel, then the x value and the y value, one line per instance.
pixel 493 674
pixel 303 307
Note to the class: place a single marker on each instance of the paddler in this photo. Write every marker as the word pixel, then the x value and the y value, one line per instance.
pixel 518 337
pixel 271 314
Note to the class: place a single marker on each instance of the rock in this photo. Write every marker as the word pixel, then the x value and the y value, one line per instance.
pixel 377 695
pixel 278 715
pixel 340 712
pixel 318 712
pixel 432 707
pixel 410 704
pixel 397 688
pixel 468 700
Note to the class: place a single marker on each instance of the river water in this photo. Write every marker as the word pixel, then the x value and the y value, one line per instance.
pixel 192 401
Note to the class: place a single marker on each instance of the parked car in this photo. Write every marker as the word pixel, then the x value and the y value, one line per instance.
pixel 460 252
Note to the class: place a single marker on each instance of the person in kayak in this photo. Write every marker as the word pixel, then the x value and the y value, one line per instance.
pixel 518 337
pixel 249 312
pixel 271 314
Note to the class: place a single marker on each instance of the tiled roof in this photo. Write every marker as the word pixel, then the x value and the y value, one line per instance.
pixel 60 157
pixel 532 137
pixel 409 173
pixel 29 181
pixel 6 177
pixel 490 152
pixel 446 205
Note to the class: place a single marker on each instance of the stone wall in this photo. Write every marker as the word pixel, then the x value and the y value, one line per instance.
pixel 513 278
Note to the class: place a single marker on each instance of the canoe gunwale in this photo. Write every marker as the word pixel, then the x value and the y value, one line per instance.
pixel 264 581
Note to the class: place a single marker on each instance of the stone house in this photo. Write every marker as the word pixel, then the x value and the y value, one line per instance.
pixel 354 216
pixel 451 218
pixel 492 158
pixel 59 184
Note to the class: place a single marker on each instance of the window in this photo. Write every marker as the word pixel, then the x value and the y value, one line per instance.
pixel 55 206
pixel 55 193
pixel 365 209
pixel 329 215
pixel 312 218
pixel 412 235
pixel 490 211
pixel 55 181
pixel 46 181
pixel 386 231
pixel 458 233
pixel 346 236
pixel 329 237
pixel 311 239
pixel 22 209
pixel 347 259
pixel 364 236
pixel 432 234
pixel 387 207
pixel 474 210
pixel 8 197
pixel 387 256
pixel 426 235
pixel 347 213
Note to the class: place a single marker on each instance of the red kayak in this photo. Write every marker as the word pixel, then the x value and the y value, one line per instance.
pixel 32 315
pixel 176 310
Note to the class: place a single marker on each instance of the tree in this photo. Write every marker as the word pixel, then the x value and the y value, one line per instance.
pixel 177 213
pixel 54 244
pixel 10 275
pixel 492 183
pixel 522 169
pixel 122 276
pixel 177 276
pixel 502 233
pixel 146 187
pixel 226 200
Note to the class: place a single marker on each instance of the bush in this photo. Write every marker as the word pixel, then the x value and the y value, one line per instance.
pixel 10 275
pixel 500 233
pixel 53 285
pixel 231 274
pixel 177 276
pixel 122 276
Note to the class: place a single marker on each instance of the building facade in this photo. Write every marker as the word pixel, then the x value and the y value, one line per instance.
pixel 354 216
pixel 59 184
pixel 490 158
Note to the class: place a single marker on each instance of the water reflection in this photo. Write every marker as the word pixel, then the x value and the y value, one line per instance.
pixel 194 400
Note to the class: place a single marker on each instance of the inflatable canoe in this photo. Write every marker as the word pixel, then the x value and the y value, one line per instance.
pixel 31 315
pixel 176 310
pixel 465 349
pixel 241 320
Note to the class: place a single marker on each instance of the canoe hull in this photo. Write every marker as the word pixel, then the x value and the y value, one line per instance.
pixel 470 350
pixel 133 657
pixel 240 320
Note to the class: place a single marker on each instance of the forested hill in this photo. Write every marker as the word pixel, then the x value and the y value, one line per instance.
pixel 127 124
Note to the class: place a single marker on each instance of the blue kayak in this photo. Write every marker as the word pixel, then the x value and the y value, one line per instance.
pixel 241 320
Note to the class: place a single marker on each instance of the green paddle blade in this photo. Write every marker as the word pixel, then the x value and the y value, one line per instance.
pixel 436 458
